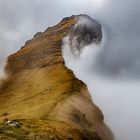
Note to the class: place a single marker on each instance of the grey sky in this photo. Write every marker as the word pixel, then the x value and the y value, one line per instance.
pixel 21 19
pixel 121 49
pixel 117 98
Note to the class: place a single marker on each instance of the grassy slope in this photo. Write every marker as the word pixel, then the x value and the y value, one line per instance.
pixel 43 95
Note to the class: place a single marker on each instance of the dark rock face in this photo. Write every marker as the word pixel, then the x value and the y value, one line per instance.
pixel 85 32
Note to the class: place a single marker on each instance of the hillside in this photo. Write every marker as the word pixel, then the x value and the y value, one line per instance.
pixel 44 96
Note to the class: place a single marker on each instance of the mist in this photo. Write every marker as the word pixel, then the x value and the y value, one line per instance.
pixel 3 74
pixel 117 98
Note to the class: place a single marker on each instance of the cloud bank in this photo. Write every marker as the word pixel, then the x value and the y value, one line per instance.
pixel 112 84
pixel 118 98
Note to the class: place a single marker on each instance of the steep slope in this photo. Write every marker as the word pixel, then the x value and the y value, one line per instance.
pixel 44 95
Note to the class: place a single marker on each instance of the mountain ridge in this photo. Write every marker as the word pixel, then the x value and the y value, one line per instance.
pixel 41 87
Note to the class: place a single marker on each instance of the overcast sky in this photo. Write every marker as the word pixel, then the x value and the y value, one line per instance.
pixel 119 56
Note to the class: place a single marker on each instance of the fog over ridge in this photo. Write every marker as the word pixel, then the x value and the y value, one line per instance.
pixel 114 88
pixel 117 98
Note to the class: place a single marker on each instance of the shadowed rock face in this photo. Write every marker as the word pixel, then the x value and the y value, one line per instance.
pixel 85 32
pixel 45 96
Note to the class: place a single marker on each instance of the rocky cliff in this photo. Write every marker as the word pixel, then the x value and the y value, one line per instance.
pixel 44 96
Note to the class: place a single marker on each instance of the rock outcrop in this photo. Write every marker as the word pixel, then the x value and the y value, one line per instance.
pixel 44 96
